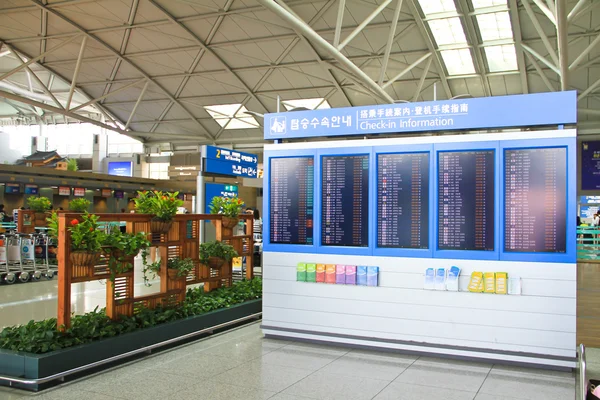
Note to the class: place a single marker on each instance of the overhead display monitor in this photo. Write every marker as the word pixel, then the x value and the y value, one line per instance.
pixel 106 192
pixel 31 189
pixel 535 200
pixel 120 168
pixel 119 194
pixel 403 200
pixel 345 200
pixel 78 192
pixel 590 165
pixel 291 194
pixel 466 200
pixel 64 191
pixel 12 188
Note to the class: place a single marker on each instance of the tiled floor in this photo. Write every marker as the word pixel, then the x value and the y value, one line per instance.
pixel 241 364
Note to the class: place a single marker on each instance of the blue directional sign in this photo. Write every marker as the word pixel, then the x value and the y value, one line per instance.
pixel 233 156
pixel 228 168
pixel 218 190
pixel 230 162
pixel 556 108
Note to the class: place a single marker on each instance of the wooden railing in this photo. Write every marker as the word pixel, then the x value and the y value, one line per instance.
pixel 182 240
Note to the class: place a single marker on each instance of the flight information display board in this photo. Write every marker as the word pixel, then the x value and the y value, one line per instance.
pixel 291 194
pixel 403 200
pixel 535 187
pixel 466 200
pixel 345 200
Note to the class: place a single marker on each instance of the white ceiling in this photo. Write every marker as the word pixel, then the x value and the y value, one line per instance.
pixel 170 59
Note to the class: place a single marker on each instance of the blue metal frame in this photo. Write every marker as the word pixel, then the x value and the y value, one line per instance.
pixel 570 256
pixel 287 248
pixel 345 250
pixel 467 254
pixel 400 252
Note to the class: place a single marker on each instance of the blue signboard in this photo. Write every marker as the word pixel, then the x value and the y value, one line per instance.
pixel 487 112
pixel 227 168
pixel 120 168
pixel 588 211
pixel 232 156
pixel 590 165
pixel 589 200
pixel 218 190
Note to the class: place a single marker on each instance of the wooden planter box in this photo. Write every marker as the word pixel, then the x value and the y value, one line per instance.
pixel 33 366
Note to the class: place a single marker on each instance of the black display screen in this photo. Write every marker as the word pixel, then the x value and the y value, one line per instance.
pixel 291 194
pixel 345 201
pixel 403 200
pixel 466 200
pixel 535 187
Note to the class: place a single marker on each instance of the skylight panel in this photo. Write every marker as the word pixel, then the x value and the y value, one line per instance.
pixel 232 116
pixel 501 58
pixel 447 31
pixel 477 4
pixel 495 26
pixel 437 6
pixel 458 62
pixel 312 104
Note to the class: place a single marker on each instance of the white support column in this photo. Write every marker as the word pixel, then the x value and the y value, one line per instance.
pixel 339 22
pixel 137 103
pixel 406 70
pixel 390 42
pixel 422 80
pixel 540 31
pixel 541 58
pixel 563 43
pixel 363 24
pixel 76 73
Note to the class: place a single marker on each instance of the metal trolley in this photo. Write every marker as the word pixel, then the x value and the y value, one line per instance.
pixel 25 257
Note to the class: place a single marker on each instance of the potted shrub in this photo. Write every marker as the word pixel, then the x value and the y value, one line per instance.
pixel 86 240
pixel 229 207
pixel 176 268
pixel 39 205
pixel 162 205
pixel 121 248
pixel 215 254
pixel 79 205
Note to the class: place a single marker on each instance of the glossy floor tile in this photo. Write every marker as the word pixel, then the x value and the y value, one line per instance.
pixel 241 364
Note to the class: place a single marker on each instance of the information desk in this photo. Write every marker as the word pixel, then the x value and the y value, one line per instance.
pixel 479 202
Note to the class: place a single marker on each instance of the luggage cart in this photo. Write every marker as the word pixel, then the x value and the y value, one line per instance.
pixel 42 256
pixel 13 260
pixel 28 260
pixel 6 276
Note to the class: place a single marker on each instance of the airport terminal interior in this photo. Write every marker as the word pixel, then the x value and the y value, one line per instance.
pixel 300 199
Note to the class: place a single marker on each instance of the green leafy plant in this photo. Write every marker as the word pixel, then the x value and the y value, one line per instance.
pixel 216 249
pixel 72 165
pixel 40 337
pixel 85 235
pixel 162 205
pixel 39 204
pixel 228 206
pixel 53 225
pixel 121 248
pixel 183 267
pixel 79 205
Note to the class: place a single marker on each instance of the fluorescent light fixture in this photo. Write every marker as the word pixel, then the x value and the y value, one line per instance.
pixel 437 6
pixel 232 116
pixel 458 62
pixel 501 58
pixel 312 104
pixel 495 26
pixel 447 31
pixel 478 4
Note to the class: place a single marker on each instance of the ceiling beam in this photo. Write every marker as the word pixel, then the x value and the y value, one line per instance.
pixel 119 55
pixel 310 34
pixel 516 26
